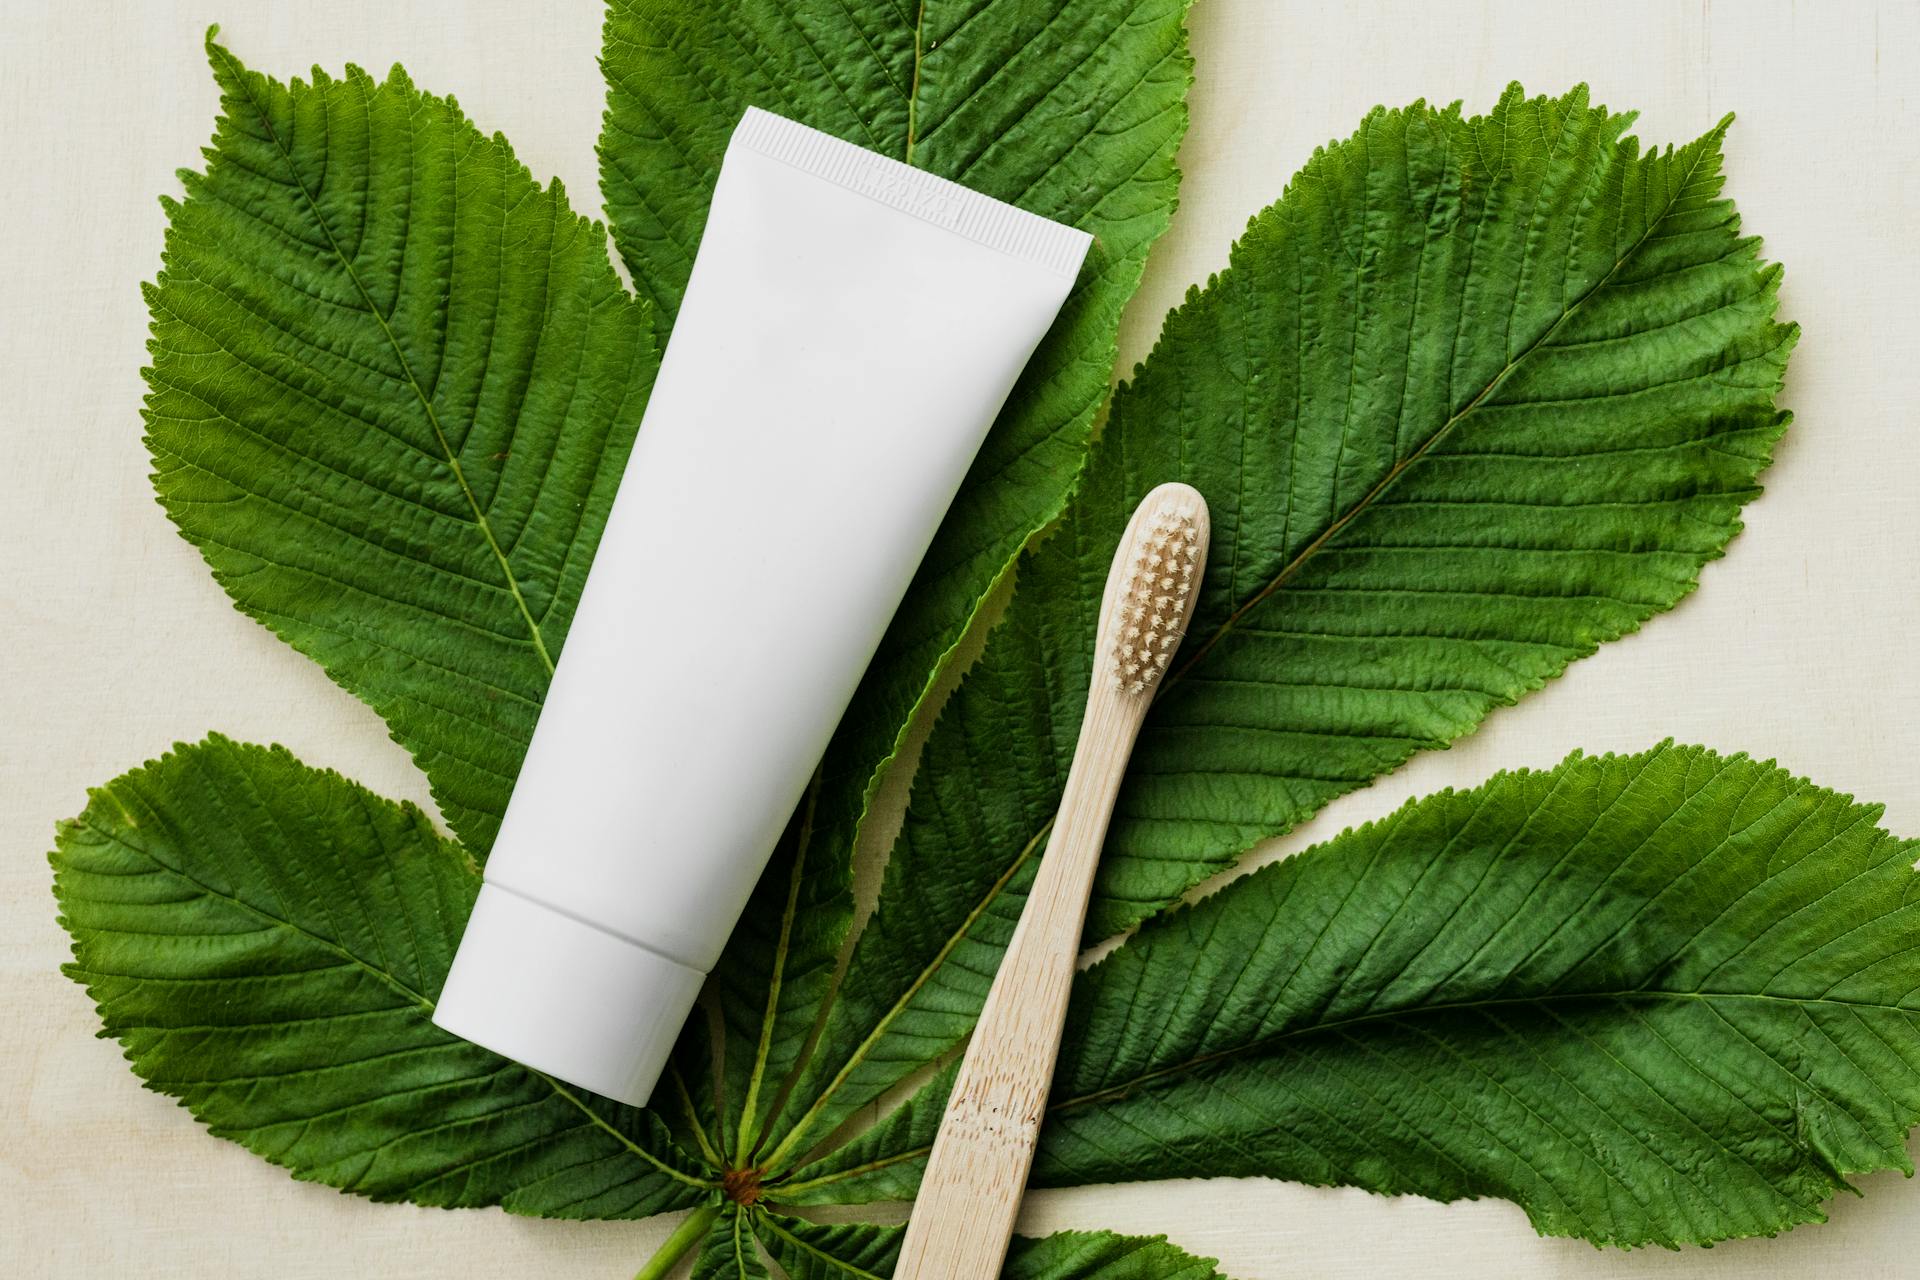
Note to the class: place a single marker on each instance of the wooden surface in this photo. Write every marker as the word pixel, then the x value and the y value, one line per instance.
pixel 1798 645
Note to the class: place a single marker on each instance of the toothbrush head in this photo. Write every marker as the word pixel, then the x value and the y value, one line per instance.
pixel 1156 577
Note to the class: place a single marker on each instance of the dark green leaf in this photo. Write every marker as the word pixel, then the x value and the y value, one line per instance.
pixel 1476 396
pixel 267 940
pixel 1660 998
pixel 394 382
pixel 821 1251
pixel 883 1163
pixel 1102 1255
pixel 730 1252
pixel 812 1251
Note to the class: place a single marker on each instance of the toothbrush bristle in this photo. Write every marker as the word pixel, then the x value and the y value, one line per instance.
pixel 1153 605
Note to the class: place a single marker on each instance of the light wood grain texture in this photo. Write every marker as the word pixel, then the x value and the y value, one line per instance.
pixel 964 1214
pixel 1799 644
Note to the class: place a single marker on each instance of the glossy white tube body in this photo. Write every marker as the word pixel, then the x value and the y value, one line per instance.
pixel 851 329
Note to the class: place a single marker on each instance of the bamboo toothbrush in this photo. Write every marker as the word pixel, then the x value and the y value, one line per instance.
pixel 963 1216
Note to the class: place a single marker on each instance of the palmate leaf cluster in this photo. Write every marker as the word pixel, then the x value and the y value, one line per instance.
pixel 1476 395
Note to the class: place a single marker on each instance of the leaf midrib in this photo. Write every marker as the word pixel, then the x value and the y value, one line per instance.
pixel 1199 1062
pixel 480 520
pixel 772 1225
pixel 801 1125
pixel 913 90
pixel 1286 572
pixel 1548 1001
pixel 1401 466
pixel 748 1133
pixel 385 976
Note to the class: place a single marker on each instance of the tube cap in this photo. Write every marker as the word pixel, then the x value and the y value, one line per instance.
pixel 564 997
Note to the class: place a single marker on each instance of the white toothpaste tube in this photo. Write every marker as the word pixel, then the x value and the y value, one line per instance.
pixel 851 328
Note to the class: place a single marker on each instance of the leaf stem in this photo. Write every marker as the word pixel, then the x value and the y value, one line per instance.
pixel 684 1237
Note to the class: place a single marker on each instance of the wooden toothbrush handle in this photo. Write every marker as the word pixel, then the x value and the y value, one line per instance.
pixel 963 1215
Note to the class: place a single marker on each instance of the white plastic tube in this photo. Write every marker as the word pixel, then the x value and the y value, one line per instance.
pixel 851 328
